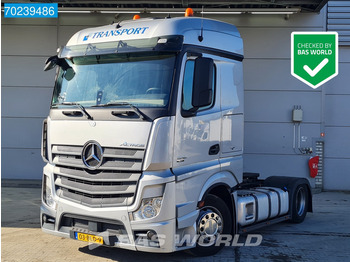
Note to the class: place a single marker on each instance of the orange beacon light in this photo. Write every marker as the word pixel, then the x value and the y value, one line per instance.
pixel 189 12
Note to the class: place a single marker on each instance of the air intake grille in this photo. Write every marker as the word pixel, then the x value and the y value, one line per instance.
pixel 114 183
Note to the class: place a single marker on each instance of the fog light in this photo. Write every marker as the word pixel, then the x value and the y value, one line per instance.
pixel 48 219
pixel 151 234
pixel 150 207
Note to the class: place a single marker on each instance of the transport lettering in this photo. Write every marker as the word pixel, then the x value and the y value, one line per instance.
pixel 117 32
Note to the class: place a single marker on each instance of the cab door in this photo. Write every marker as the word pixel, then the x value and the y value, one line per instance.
pixel 197 131
pixel 231 108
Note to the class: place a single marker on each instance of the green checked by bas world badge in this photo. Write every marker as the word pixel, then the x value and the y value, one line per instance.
pixel 314 57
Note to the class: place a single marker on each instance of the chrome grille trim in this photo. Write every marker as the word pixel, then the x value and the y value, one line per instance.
pixel 94 189
pixel 113 184
pixel 108 176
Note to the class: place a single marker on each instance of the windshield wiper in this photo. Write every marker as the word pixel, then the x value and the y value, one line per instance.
pixel 83 110
pixel 134 108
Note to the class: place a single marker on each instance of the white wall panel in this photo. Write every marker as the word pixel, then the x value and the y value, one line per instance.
pixel 344 54
pixel 268 42
pixel 276 138
pixel 337 142
pixel 270 74
pixel 277 106
pixel 28 40
pixel 25 71
pixel 21 133
pixel 66 32
pixel 25 101
pixel 89 20
pixel 30 167
pixel 337 111
pixel 341 83
pixel 337 174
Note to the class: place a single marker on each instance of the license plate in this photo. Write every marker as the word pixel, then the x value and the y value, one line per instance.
pixel 88 238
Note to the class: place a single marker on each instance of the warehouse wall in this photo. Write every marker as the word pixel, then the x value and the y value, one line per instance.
pixel 337 127
pixel 337 107
pixel 270 94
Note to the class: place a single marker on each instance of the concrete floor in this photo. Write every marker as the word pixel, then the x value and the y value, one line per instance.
pixel 323 236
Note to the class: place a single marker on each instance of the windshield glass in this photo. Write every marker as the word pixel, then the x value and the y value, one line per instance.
pixel 141 79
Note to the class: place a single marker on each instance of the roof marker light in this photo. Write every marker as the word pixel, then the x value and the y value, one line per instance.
pixel 189 12
pixel 136 17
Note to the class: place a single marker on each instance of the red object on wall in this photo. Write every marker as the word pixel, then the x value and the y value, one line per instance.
pixel 313 165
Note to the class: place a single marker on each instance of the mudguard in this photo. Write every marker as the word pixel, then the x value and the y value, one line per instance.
pixel 289 184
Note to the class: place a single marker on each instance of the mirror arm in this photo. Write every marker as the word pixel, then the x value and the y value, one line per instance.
pixel 63 63
pixel 56 61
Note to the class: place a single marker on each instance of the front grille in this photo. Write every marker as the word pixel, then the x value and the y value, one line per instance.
pixel 113 158
pixel 114 183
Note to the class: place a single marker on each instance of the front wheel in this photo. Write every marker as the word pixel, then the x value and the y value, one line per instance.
pixel 213 221
pixel 300 204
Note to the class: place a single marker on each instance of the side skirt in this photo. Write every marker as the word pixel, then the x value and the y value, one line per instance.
pixel 243 230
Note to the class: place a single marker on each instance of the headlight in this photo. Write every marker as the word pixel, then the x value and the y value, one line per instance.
pixel 47 192
pixel 150 207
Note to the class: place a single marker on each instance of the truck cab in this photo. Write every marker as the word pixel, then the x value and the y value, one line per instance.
pixel 144 141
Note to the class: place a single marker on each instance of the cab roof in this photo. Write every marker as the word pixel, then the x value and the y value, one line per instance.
pixel 216 34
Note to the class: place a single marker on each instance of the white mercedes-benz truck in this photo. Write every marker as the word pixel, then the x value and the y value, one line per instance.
pixel 144 140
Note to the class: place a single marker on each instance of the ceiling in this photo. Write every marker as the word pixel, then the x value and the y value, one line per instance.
pixel 213 5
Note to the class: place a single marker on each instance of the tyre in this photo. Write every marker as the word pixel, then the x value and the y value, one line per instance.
pixel 300 204
pixel 214 220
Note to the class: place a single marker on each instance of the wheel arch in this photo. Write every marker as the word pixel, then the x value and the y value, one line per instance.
pixel 220 185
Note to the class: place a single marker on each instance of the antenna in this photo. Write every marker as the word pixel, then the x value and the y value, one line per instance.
pixel 200 38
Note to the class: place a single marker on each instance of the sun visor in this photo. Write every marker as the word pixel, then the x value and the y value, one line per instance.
pixel 162 43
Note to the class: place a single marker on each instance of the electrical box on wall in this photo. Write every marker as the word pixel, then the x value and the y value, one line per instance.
pixel 297 114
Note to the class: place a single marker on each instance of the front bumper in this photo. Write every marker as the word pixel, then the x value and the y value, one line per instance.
pixel 116 224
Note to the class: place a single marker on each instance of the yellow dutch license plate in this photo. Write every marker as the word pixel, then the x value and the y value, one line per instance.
pixel 88 238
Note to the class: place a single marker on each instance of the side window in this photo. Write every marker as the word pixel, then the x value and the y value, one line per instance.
pixel 188 87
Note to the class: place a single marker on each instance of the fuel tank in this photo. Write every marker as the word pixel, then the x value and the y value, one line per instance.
pixel 259 204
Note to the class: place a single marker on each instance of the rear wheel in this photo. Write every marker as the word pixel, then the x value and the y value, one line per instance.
pixel 214 220
pixel 300 204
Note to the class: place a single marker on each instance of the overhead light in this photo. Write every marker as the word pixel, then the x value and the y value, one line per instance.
pixel 119 12
pixel 272 13
pixel 220 13
pixel 165 12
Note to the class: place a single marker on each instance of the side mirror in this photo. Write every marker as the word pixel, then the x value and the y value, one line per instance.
pixel 51 62
pixel 202 82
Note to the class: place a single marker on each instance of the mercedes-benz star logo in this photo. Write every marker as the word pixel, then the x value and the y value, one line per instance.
pixel 92 155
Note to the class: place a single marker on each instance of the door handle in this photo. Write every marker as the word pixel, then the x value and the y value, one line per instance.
pixel 214 150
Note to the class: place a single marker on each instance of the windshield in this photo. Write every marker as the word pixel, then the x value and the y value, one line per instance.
pixel 141 79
